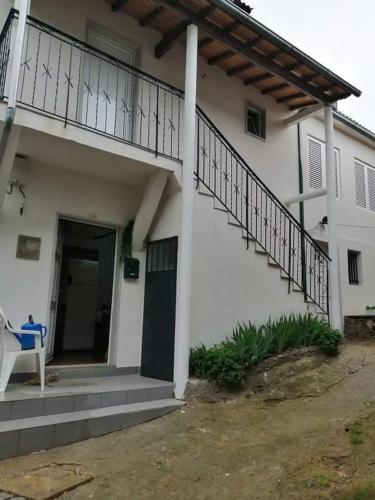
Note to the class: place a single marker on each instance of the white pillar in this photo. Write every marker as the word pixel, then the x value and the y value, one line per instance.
pixel 334 282
pixel 185 257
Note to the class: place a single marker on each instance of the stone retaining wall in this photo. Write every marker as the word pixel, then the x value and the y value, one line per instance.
pixel 362 327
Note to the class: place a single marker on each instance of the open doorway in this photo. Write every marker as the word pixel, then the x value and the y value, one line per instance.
pixel 84 275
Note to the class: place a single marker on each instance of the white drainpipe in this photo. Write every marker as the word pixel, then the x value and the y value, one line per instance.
pixel 334 282
pixel 185 257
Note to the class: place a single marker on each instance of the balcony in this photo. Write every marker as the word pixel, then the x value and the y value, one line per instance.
pixel 64 78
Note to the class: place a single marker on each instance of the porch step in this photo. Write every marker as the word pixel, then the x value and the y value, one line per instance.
pixel 75 395
pixel 19 437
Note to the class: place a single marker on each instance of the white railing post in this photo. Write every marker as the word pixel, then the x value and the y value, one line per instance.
pixel 185 258
pixel 334 282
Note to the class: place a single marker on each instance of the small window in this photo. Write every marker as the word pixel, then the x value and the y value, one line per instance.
pixel 255 121
pixel 353 259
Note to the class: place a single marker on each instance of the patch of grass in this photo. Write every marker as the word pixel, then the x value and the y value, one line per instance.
pixel 229 361
pixel 366 492
pixel 356 433
pixel 322 481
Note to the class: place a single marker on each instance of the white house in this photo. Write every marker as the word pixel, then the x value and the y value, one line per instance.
pixel 100 127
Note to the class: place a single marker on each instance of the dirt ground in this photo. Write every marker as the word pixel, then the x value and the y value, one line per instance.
pixel 303 430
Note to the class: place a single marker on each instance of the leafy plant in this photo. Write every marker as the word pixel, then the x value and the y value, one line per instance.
pixel 127 240
pixel 229 361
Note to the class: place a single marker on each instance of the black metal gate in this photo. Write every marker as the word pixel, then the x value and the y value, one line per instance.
pixel 159 310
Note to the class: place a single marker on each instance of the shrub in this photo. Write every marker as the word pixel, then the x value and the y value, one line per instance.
pixel 229 361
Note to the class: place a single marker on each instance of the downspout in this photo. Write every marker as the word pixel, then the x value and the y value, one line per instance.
pixel 10 113
pixel 301 209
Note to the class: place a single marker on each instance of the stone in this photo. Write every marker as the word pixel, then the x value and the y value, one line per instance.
pixel 45 482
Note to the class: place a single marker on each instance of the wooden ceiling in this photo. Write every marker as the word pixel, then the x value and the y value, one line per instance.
pixel 242 47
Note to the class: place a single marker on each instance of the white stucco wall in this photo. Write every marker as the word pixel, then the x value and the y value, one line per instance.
pixel 350 218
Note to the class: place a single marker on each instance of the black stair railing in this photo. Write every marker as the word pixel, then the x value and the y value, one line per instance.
pixel 71 80
pixel 262 217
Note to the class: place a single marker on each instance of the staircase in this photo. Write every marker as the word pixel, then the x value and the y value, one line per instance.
pixel 73 409
pixel 263 221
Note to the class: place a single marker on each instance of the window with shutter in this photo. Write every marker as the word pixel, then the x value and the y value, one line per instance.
pixel 360 184
pixel 317 165
pixel 364 185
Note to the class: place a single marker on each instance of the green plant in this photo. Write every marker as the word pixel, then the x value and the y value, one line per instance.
pixel 127 240
pixel 229 361
pixel 370 307
pixel 356 433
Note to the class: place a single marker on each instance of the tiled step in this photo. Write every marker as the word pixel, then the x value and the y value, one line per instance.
pixel 78 372
pixel 20 402
pixel 19 437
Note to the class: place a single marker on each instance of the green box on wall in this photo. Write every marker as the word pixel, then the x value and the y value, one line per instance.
pixel 131 268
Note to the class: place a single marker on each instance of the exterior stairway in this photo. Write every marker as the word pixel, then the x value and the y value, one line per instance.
pixel 263 221
pixel 73 409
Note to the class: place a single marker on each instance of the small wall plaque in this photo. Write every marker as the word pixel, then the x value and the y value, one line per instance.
pixel 28 247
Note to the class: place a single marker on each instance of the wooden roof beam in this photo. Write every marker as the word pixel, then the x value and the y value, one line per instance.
pixel 207 41
pixel 302 105
pixel 146 20
pixel 240 69
pixel 258 79
pixel 250 53
pixel 290 97
pixel 275 88
pixel 118 4
pixel 221 57
pixel 170 38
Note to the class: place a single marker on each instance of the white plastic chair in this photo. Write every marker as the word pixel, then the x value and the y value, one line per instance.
pixel 12 349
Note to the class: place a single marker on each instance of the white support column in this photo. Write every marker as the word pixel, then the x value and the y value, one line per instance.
pixel 334 282
pixel 185 257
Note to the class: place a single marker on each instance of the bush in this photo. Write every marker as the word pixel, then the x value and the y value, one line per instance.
pixel 229 361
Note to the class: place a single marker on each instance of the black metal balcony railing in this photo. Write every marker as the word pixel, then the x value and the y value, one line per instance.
pixel 262 217
pixel 70 80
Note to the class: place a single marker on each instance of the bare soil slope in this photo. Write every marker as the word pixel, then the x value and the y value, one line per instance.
pixel 302 430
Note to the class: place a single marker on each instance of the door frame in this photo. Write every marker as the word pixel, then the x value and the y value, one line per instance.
pixel 112 341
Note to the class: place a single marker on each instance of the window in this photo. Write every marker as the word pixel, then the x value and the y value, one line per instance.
pixel 255 121
pixel 316 151
pixel 364 185
pixel 353 258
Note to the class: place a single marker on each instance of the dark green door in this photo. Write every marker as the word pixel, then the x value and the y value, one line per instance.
pixel 159 310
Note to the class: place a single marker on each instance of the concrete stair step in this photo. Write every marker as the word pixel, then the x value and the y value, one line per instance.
pixel 80 394
pixel 219 206
pixel 19 437
pixel 202 189
pixel 271 262
pixel 232 221
pixel 259 249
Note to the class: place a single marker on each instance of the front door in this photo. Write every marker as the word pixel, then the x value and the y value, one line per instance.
pixel 82 302
pixel 159 310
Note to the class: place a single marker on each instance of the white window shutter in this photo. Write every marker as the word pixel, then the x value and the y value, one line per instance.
pixel 360 184
pixel 315 155
pixel 371 188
